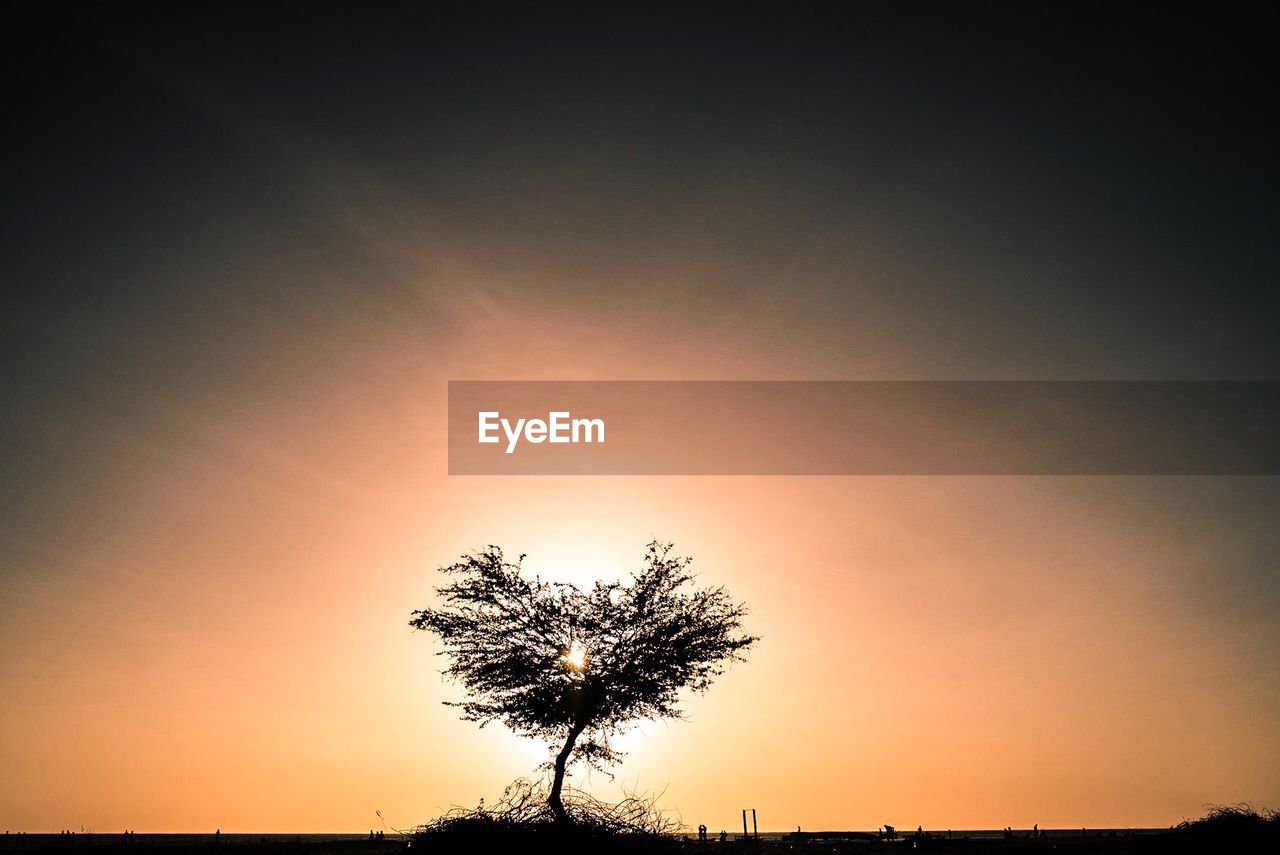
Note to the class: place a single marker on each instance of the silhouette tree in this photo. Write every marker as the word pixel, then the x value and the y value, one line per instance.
pixel 574 667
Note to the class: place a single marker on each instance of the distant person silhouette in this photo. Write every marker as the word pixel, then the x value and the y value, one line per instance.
pixel 724 835
pixel 217 836
pixel 702 833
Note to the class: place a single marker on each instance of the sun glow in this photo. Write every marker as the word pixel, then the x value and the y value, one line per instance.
pixel 565 555
pixel 576 658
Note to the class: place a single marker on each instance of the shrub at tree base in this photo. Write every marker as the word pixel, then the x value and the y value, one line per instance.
pixel 1240 822
pixel 522 821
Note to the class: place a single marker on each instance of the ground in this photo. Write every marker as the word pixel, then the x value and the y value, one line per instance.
pixel 1145 843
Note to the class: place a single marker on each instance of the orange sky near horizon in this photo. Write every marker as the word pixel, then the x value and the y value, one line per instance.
pixel 215 635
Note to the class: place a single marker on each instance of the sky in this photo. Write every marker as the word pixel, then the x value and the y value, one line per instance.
pixel 244 252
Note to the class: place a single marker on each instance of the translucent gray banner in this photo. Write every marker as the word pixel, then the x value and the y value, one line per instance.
pixel 864 428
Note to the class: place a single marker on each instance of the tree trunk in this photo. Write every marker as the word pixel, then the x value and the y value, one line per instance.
pixel 557 783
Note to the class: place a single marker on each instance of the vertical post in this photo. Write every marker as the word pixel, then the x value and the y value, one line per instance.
pixel 755 829
pixel 744 823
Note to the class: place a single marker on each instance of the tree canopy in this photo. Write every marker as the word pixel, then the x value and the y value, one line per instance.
pixel 572 667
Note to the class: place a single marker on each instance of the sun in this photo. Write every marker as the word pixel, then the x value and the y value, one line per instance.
pixel 576 658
